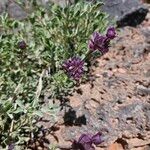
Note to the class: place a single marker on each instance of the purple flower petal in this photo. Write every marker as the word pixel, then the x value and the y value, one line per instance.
pixel 84 142
pixel 22 45
pixel 111 33
pixel 98 42
pixel 101 42
pixel 85 138
pixel 11 146
pixel 82 146
pixel 88 146
pixel 97 138
pixel 74 67
pixel 91 45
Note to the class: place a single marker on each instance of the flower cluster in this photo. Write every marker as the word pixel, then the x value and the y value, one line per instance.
pixel 74 67
pixel 11 146
pixel 101 42
pixel 86 141
pixel 22 45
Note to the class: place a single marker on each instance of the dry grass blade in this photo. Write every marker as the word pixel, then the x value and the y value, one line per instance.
pixel 39 87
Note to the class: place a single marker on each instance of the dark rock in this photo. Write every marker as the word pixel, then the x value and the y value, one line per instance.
pixel 133 19
pixel 127 13
pixel 146 1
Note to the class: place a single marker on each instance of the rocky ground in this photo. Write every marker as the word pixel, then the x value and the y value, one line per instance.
pixel 117 101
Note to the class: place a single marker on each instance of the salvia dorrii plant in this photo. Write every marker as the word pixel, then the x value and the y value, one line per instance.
pixel 46 53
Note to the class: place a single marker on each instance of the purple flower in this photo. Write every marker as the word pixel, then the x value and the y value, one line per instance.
pixel 92 42
pixel 74 67
pixel 111 33
pixel 86 141
pixel 11 146
pixel 99 42
pixel 97 138
pixel 22 45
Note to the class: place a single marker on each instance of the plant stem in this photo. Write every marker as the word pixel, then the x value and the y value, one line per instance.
pixel 12 122
pixel 52 52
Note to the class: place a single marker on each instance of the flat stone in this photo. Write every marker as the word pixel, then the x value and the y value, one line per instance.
pixel 16 11
pixel 136 142
pixel 3 6
pixel 143 90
